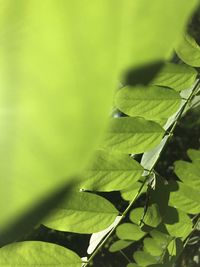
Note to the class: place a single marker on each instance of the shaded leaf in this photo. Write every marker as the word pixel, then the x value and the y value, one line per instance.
pixel 177 222
pixel 152 216
pixel 31 218
pixel 84 213
pixel 144 259
pixel 132 265
pixel 133 135
pixel 160 196
pixel 142 75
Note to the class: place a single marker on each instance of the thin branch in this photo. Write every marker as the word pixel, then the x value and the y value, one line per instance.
pixel 125 256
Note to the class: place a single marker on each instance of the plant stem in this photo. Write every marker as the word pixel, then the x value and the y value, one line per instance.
pixel 170 134
pixel 193 229
pixel 126 257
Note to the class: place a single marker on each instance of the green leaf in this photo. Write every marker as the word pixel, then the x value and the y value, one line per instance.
pixel 33 216
pixel 136 215
pixel 189 173
pixel 133 135
pixel 83 213
pixel 175 76
pixel 139 16
pixel 175 247
pixel 152 247
pixel 37 254
pixel 129 231
pixel 149 158
pixel 119 245
pixel 194 155
pixel 51 115
pixel 151 102
pixel 177 222
pixel 189 51
pixel 160 195
pixel 144 259
pixel 152 216
pixel 56 53
pixel 129 193
pixel 111 171
pixel 161 238
pixel 186 199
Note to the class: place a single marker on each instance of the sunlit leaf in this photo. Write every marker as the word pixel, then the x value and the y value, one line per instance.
pixel 133 135
pixel 38 254
pixel 194 155
pixel 129 231
pixel 136 215
pixel 176 76
pixel 130 193
pixel 161 238
pixel 188 173
pixel 186 199
pixel 111 171
pixel 119 245
pixel 51 115
pixel 150 102
pixel 83 213
pixel 175 247
pixel 152 247
pixel 188 50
